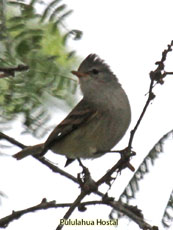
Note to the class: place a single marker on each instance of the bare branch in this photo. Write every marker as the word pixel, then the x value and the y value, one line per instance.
pixel 44 205
pixel 151 96
pixel 56 169
pixel 156 76
pixel 72 208
pixel 125 209
pixel 10 71
pixel 121 164
pixel 4 222
pixel 12 140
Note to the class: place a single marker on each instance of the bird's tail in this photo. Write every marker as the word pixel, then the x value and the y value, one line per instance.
pixel 31 150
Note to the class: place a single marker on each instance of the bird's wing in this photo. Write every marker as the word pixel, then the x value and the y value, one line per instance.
pixel 80 114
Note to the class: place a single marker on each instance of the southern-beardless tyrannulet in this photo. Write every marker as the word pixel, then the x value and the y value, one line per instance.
pixel 98 121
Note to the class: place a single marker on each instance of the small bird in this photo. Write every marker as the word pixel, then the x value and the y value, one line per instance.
pixel 97 123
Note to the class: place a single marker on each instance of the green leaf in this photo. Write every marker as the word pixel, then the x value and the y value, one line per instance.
pixel 56 11
pixel 62 17
pixel 28 32
pixel 15 19
pixel 17 27
pixel 77 34
pixel 20 4
pixel 48 9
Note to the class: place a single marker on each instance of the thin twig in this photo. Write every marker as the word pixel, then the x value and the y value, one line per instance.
pixel 150 98
pixel 4 222
pixel 156 76
pixel 11 70
pixel 72 208
pixel 122 163
pixel 12 140
pixel 56 169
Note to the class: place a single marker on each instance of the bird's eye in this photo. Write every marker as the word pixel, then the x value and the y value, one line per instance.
pixel 95 71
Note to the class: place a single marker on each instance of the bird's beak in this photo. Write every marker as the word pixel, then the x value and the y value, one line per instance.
pixel 79 74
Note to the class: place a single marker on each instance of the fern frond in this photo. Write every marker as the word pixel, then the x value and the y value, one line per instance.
pixel 143 169
pixel 56 11
pixel 167 218
pixel 48 10
pixel 28 42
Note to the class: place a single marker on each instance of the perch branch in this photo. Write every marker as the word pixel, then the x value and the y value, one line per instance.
pixel 10 71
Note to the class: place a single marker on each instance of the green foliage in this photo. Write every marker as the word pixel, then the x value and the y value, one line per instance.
pixel 37 41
